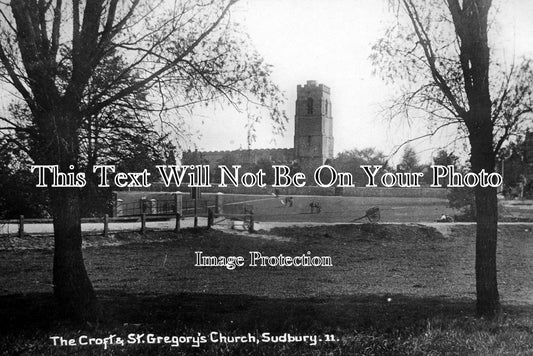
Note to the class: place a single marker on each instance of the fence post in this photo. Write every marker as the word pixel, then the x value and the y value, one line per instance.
pixel 195 201
pixel 153 206
pixel 106 225
pixel 119 207
pixel 143 223
pixel 219 202
pixel 178 218
pixel 178 201
pixel 143 205
pixel 251 227
pixel 21 226
pixel 210 217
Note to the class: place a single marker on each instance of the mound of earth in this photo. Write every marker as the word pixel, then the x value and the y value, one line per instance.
pixel 362 232
pixel 46 242
pixel 342 233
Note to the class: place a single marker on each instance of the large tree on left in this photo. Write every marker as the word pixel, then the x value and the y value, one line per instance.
pixel 179 51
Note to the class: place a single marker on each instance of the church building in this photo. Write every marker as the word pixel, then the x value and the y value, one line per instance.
pixel 313 137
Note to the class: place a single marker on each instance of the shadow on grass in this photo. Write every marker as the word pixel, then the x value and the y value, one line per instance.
pixel 380 314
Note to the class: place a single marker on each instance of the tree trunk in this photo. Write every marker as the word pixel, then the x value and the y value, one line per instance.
pixel 72 287
pixel 483 157
pixel 488 303
pixel 59 145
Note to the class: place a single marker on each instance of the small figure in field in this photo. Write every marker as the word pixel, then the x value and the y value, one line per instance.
pixel 315 207
pixel 288 201
pixel 445 218
pixel 373 215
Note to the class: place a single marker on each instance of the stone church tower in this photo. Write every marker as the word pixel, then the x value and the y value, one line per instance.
pixel 313 131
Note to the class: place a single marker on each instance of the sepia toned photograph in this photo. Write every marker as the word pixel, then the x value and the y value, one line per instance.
pixel 266 177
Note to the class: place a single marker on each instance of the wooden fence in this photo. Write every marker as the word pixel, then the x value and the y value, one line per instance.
pixel 21 222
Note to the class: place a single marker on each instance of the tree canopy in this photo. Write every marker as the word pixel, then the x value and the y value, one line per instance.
pixel 88 73
pixel 427 55
pixel 352 160
pixel 110 57
pixel 438 54
pixel 410 161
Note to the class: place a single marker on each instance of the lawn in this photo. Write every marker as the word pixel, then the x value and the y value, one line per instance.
pixel 333 208
pixel 393 289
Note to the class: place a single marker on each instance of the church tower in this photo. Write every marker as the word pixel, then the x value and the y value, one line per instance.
pixel 313 131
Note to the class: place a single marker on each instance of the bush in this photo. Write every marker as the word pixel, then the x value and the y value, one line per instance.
pixel 463 199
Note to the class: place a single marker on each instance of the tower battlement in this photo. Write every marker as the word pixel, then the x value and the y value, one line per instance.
pixel 312 84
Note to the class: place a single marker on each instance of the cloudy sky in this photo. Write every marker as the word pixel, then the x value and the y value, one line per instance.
pixel 330 41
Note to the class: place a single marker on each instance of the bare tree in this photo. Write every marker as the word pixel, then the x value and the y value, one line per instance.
pixel 176 51
pixel 439 54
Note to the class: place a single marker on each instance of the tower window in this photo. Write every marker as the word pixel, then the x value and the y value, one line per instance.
pixel 309 105
pixel 326 109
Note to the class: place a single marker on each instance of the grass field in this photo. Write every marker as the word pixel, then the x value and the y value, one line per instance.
pixel 333 208
pixel 345 209
pixel 392 290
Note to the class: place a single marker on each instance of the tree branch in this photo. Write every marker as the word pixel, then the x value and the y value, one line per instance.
pixel 142 83
pixel 56 26
pixel 15 79
pixel 429 134
pixel 428 52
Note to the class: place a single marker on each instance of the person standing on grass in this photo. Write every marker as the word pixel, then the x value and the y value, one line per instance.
pixel 315 207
